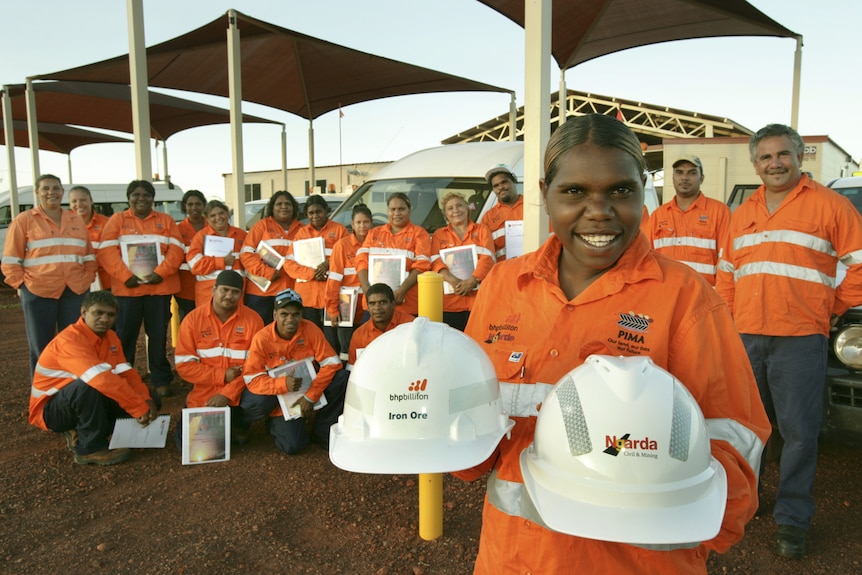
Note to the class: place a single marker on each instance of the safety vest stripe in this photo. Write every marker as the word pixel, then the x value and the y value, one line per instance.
pixel 279 242
pixel 249 378
pixel 792 237
pixel 336 276
pixel 37 393
pixel 109 244
pixel 186 358
pixel 96 245
pixel 349 271
pixel 701 268
pixel 393 252
pixel 689 241
pixel 94 371
pixel 328 251
pixel 744 440
pixel 484 251
pixel 58 259
pixel 57 373
pixel 221 351
pixel 496 234
pixel 501 253
pixel 511 498
pixel 185 266
pixel 195 260
pixel 247 250
pixel 332 360
pixel 520 400
pixel 726 266
pixel 785 270
pixel 12 260
pixel 52 242
pixel 175 242
pixel 852 258
pixel 435 257
pixel 122 368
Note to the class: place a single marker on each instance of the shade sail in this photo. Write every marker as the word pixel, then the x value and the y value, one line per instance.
pixel 587 29
pixel 281 68
pixel 109 106
pixel 58 137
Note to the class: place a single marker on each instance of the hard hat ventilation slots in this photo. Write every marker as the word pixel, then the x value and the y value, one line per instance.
pixel 680 430
pixel 573 416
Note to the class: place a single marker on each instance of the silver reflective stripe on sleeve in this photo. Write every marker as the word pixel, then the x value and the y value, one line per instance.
pixel 121 368
pixel 496 234
pixel 333 360
pixel 740 437
pixel 335 276
pixel 700 268
pixel 852 258
pixel 94 371
pixel 185 358
pixel 249 378
pixel 522 400
pixel 37 393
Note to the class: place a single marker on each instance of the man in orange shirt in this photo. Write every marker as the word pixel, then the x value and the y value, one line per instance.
pixel 510 206
pixel 213 343
pixel 384 316
pixel 691 227
pixel 48 258
pixel 83 384
pixel 290 338
pixel 777 274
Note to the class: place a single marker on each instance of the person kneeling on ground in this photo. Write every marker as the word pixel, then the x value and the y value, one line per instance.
pixel 83 384
pixel 290 338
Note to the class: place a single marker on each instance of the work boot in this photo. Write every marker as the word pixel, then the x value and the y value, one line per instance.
pixel 104 457
pixel 790 541
pixel 71 439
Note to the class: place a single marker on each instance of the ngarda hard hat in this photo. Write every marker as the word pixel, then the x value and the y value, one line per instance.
pixel 621 453
pixel 422 398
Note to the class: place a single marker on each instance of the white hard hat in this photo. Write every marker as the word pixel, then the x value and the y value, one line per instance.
pixel 422 398
pixel 621 453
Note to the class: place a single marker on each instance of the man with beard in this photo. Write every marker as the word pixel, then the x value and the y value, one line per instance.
pixel 213 343
pixel 381 307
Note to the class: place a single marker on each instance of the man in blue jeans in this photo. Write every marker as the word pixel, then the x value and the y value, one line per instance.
pixel 777 273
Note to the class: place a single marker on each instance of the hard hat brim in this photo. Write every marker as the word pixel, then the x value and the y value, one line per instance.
pixel 613 520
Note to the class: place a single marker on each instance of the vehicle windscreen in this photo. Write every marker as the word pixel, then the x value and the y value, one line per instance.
pixel 425 195
pixel 854 195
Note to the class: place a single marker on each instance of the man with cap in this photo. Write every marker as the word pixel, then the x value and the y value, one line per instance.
pixel 384 316
pixel 291 338
pixel 510 206
pixel 691 228
pixel 212 346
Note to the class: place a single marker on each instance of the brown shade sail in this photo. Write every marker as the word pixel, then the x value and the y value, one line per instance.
pixel 587 29
pixel 58 137
pixel 280 68
pixel 109 106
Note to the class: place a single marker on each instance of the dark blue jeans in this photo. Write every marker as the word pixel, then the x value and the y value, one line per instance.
pixel 82 408
pixel 45 317
pixel 292 436
pixel 790 374
pixel 154 311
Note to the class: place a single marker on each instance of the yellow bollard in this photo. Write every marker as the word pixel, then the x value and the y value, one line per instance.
pixel 431 484
pixel 175 321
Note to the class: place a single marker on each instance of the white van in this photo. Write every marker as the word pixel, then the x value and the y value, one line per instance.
pixel 428 175
pixel 108 199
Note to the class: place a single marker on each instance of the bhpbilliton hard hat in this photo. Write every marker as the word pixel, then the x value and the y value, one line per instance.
pixel 621 453
pixel 422 398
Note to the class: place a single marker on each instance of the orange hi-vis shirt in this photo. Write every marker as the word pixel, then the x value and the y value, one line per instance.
pixel 693 236
pixel 778 272
pixel 78 353
pixel 342 273
pixel 646 304
pixel 496 219
pixel 367 332
pixel 413 242
pixel 207 348
pixel 46 257
pixel 269 350
pixel 479 236
pixel 94 229
pixel 187 278
pixel 279 239
pixel 313 292
pixel 126 225
pixel 207 268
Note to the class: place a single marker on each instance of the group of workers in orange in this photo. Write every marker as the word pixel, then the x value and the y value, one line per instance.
pixel 712 292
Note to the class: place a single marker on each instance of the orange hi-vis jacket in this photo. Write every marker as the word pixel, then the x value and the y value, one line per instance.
pixel 207 268
pixel 94 229
pixel 342 272
pixel 413 242
pixel 126 225
pixel 479 236
pixel 313 292
pixel 778 272
pixel 280 239
pixel 78 353
pixel 646 304
pixel 693 236
pixel 367 332
pixel 496 219
pixel 269 351
pixel 187 278
pixel 207 348
pixel 48 258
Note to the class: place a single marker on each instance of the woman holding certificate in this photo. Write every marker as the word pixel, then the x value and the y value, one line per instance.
pixel 214 249
pixel 264 252
pixel 463 253
pixel 308 261
pixel 192 205
pixel 395 254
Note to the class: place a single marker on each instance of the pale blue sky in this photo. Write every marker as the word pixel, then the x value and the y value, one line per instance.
pixel 745 79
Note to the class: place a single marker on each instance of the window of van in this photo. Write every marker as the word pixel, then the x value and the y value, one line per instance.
pixel 425 195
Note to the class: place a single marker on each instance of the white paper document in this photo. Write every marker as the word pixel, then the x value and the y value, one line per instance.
pixel 514 239
pixel 304 370
pixel 461 261
pixel 387 269
pixel 142 254
pixel 310 252
pixel 129 433
pixel 218 246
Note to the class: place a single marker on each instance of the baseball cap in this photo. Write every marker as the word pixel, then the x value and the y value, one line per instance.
pixel 229 278
pixel 286 297
pixel 500 169
pixel 691 160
